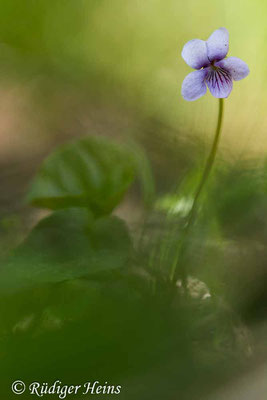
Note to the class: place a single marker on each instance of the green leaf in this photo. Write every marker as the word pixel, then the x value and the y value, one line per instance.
pixel 91 172
pixel 68 244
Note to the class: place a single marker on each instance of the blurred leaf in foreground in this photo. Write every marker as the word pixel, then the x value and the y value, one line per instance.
pixel 91 172
pixel 68 244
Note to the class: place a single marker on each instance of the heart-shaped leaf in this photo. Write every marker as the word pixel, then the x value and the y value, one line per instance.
pixel 68 244
pixel 91 172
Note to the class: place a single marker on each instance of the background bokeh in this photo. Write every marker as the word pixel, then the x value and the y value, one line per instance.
pixel 114 68
pixel 72 58
pixel 71 68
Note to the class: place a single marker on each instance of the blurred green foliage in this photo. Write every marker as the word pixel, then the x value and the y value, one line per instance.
pixel 83 299
pixel 90 173
pixel 68 244
pixel 86 296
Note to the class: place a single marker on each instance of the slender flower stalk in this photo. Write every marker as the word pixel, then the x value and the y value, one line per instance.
pixel 180 257
pixel 209 163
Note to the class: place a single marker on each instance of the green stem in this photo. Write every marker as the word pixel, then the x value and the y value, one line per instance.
pixel 191 216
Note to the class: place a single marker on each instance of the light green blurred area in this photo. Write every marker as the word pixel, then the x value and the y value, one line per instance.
pixel 69 68
pixel 127 52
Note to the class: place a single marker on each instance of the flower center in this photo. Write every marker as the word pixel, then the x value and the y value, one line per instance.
pixel 214 66
pixel 218 77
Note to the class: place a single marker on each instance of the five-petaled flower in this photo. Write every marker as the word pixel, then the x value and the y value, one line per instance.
pixel 213 69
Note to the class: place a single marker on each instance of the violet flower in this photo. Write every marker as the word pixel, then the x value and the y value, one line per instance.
pixel 213 69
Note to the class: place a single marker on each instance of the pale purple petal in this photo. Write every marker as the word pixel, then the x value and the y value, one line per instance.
pixel 218 44
pixel 236 67
pixel 194 86
pixel 195 54
pixel 219 82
